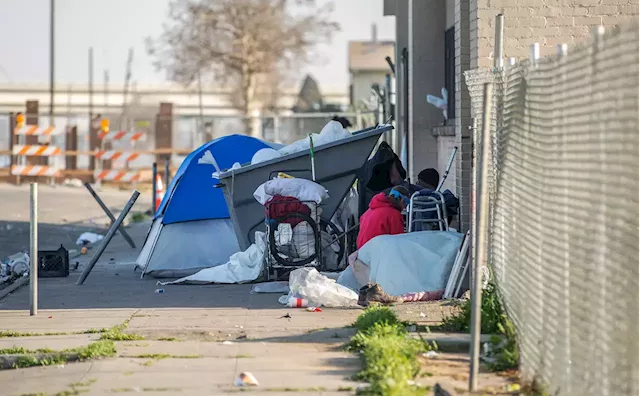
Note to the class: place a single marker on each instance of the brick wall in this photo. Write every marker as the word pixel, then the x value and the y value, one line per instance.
pixel 548 22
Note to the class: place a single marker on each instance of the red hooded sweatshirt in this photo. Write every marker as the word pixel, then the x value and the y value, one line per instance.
pixel 382 218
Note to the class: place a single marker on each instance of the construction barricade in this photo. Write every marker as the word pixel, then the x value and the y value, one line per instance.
pixel 22 151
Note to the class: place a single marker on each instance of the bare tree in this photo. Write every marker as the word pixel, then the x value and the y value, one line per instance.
pixel 245 44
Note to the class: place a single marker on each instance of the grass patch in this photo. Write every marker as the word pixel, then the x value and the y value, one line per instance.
pixel 116 333
pixel 138 217
pixel 16 350
pixel 95 350
pixel 84 384
pixel 376 315
pixel 168 339
pixel 241 356
pixel 390 357
pixel 504 355
pixel 127 390
pixel 11 334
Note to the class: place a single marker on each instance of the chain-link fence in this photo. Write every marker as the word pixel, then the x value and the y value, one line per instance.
pixel 563 191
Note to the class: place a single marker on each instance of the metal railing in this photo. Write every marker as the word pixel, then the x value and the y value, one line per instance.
pixel 563 216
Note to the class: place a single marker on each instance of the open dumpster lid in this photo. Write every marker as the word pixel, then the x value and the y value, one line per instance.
pixel 336 163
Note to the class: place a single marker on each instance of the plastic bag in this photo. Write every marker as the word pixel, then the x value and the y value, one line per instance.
pixel 309 284
pixel 302 189
pixel 264 154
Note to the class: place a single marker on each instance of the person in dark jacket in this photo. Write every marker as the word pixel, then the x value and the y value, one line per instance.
pixel 429 178
pixel 384 216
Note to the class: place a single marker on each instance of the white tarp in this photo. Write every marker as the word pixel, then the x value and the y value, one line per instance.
pixel 331 132
pixel 242 267
pixel 407 263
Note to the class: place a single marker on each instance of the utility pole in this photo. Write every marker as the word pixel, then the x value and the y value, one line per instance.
pixel 90 84
pixel 127 81
pixel 51 61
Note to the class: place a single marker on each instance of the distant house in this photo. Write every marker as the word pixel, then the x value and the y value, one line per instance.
pixel 367 66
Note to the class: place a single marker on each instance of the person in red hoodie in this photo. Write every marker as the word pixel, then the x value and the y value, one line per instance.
pixel 384 216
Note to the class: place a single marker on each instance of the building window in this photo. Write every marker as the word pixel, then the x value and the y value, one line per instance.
pixel 450 71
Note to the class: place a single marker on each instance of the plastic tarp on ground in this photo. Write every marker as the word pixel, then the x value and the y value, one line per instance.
pixel 407 263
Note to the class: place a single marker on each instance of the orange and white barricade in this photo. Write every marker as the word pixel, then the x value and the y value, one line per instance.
pixel 35 150
pixel 122 135
pixel 34 130
pixel 112 155
pixel 159 191
pixel 34 170
pixel 124 176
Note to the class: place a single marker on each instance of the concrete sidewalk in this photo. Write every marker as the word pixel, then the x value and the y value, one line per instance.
pixel 197 338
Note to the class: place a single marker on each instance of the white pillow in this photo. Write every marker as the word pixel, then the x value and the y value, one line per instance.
pixel 302 189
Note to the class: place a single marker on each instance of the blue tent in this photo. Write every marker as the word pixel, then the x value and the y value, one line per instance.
pixel 195 197
pixel 191 229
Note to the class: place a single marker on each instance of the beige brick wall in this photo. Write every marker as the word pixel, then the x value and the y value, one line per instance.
pixel 548 22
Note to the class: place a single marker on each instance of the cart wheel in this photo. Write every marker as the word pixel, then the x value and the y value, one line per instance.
pixel 286 261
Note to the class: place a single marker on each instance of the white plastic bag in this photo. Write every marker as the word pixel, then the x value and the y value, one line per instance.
pixel 309 284
pixel 264 154
pixel 88 237
pixel 302 189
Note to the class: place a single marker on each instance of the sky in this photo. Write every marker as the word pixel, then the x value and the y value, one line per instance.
pixel 112 26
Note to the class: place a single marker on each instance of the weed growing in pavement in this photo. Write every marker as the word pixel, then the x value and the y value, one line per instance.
pixel 94 350
pixel 390 362
pixel 116 333
pixel 138 217
pixel 493 321
pixel 376 315
pixel 160 356
pixel 16 350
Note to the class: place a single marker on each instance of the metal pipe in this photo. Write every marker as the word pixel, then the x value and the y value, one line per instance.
pixel 482 210
pixel 446 171
pixel 52 61
pixel 167 177
pixel 535 54
pixel 109 214
pixel 498 61
pixel 405 83
pixel 33 256
pixel 112 231
pixel 154 182
pixel 90 84
pixel 391 65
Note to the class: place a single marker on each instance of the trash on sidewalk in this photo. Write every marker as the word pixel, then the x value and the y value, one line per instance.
pixel 430 354
pixel 318 290
pixel 14 266
pixel 270 287
pixel 73 183
pixel 159 291
pixel 295 302
pixel 246 379
pixel 314 309
pixel 228 342
pixel 87 238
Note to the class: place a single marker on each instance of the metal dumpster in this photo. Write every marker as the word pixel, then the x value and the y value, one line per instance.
pixel 336 165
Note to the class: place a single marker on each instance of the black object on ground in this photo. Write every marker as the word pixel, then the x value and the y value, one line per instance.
pixel 53 263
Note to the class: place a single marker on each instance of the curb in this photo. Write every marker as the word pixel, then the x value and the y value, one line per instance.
pixel 12 287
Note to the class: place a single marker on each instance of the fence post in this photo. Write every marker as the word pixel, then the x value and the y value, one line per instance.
pixel 498 61
pixel 482 205
pixel 167 176
pixel 154 186
pixel 33 250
